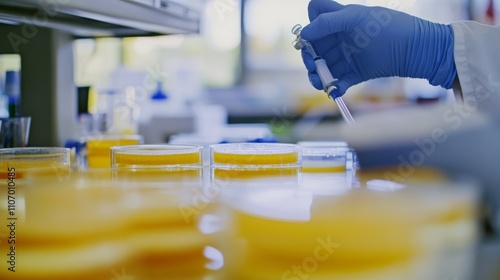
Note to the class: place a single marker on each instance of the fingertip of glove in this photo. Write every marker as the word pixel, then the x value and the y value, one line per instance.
pixel 315 81
pixel 305 33
pixel 308 32
pixel 308 61
pixel 316 29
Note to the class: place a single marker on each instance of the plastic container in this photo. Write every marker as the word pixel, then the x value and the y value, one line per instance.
pixel 14 132
pixel 13 91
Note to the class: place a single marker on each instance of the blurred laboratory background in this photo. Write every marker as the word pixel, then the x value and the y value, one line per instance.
pixel 242 67
pixel 238 67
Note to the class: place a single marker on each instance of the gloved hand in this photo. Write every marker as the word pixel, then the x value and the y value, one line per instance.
pixel 360 43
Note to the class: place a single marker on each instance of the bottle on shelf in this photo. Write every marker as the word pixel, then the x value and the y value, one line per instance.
pixel 13 91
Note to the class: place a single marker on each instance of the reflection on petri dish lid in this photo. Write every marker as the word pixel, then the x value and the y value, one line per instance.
pixel 278 204
pixel 384 186
pixel 327 183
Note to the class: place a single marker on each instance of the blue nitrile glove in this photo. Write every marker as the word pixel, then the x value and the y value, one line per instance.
pixel 361 43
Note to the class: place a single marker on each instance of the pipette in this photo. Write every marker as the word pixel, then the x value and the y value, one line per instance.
pixel 328 81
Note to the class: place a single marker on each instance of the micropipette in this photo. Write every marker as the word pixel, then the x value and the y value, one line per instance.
pixel 329 83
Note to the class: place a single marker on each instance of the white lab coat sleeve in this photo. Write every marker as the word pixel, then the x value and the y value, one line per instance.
pixel 477 58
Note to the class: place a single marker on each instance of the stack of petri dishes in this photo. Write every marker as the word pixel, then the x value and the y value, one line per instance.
pixel 455 216
pixel 327 161
pixel 267 211
pixel 57 231
pixel 255 164
pixel 358 234
pixel 162 186
pixel 327 157
pixel 241 169
pixel 326 228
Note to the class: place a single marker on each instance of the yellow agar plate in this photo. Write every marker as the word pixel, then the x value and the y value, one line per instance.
pixel 255 154
pixel 153 156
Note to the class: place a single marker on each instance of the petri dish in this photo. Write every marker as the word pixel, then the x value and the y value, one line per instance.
pixel 452 209
pixel 66 232
pixel 98 148
pixel 164 202
pixel 255 154
pixel 325 159
pixel 240 168
pixel 259 163
pixel 156 156
pixel 327 156
pixel 454 212
pixel 35 162
pixel 406 235
pixel 148 163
